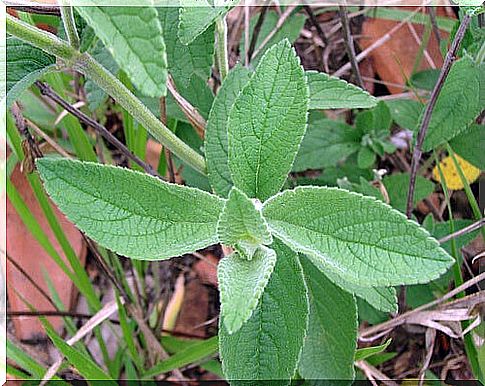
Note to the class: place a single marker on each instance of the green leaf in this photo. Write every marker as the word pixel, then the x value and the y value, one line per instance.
pixel 426 79
pixel 326 142
pixel 134 36
pixel 241 223
pixel 329 92
pixel 397 189
pixel 329 349
pixel 268 345
pixel 184 61
pixel 365 158
pixel 460 101
pixel 381 298
pixel 94 94
pixel 363 240
pixel 25 64
pixel 469 145
pixel 241 284
pixel 290 30
pixel 367 352
pixel 195 20
pixel 131 213
pixel 85 365
pixel 405 112
pixel 193 353
pixel 267 123
pixel 216 130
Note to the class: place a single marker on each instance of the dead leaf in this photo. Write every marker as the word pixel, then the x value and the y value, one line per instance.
pixel 394 60
pixel 26 251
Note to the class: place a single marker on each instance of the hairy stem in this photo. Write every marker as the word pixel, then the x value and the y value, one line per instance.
pixel 221 47
pixel 70 25
pixel 85 64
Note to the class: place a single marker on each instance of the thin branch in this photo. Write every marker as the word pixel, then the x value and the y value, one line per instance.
pixel 49 93
pixel 434 24
pixel 349 45
pixel 289 10
pixel 361 56
pixel 450 58
pixel 313 20
pixel 390 324
pixel 256 32
pixel 29 141
pixel 168 155
pixel 194 117
pixel 30 7
pixel 31 281
pixel 48 139
pixel 470 228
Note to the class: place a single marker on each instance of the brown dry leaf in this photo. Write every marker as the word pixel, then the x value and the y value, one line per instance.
pixel 394 60
pixel 26 251
pixel 195 309
pixel 206 269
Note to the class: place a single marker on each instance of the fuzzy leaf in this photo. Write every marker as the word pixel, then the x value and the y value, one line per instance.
pixel 216 130
pixel 133 214
pixel 195 20
pixel 241 223
pixel 267 123
pixel 330 344
pixel 184 61
pixel 134 36
pixel 363 240
pixel 241 284
pixel 326 142
pixel 25 64
pixel 460 101
pixel 268 345
pixel 469 145
pixel 382 298
pixel 329 92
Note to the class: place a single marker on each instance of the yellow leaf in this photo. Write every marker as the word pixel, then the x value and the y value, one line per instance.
pixel 452 178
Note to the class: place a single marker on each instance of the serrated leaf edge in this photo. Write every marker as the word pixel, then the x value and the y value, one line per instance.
pixel 282 42
pixel 301 249
pixel 259 290
pixel 209 241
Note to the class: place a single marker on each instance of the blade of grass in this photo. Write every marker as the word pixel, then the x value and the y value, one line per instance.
pixel 86 367
pixel 191 354
pixel 470 348
pixel 85 286
pixel 78 137
pixel 129 336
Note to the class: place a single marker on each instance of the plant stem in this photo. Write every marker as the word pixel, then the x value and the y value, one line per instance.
pixel 41 39
pixel 349 45
pixel 70 25
pixel 256 31
pixel 221 47
pixel 85 64
pixel 450 58
pixel 49 93
pixel 466 187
